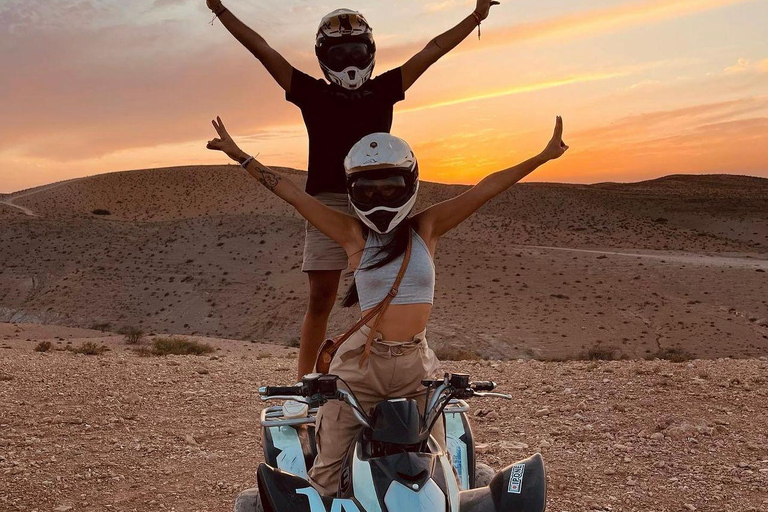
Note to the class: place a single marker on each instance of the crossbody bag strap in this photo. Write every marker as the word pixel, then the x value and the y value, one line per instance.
pixel 382 307
pixel 360 323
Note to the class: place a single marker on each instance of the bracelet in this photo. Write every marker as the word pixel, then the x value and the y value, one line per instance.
pixel 218 13
pixel 247 161
pixel 478 20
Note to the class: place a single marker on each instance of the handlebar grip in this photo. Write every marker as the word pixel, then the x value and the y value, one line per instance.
pixel 282 391
pixel 488 385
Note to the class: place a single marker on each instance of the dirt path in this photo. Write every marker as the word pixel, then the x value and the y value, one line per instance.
pixel 10 200
pixel 687 258
pixel 146 434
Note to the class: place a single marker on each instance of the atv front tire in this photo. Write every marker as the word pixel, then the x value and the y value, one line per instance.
pixel 248 501
pixel 483 474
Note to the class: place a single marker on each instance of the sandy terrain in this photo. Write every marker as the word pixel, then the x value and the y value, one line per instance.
pixel 129 433
pixel 546 270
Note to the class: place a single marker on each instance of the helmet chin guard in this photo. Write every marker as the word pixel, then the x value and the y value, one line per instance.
pixel 383 219
pixel 350 78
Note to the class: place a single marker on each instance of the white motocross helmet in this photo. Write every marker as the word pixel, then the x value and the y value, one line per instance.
pixel 345 48
pixel 382 180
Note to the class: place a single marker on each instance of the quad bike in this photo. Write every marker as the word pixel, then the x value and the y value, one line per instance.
pixel 394 465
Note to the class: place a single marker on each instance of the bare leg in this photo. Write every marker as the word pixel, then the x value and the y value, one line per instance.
pixel 323 287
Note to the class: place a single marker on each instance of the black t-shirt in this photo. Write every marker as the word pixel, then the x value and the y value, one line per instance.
pixel 336 118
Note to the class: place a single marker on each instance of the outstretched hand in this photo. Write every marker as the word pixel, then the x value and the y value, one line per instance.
pixel 213 5
pixel 483 7
pixel 224 142
pixel 556 147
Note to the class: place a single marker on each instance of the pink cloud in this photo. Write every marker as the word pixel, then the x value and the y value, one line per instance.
pixel 78 95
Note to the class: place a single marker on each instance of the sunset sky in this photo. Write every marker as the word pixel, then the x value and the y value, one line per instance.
pixel 646 87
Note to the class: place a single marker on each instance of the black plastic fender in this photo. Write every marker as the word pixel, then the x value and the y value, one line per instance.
pixel 284 492
pixel 521 487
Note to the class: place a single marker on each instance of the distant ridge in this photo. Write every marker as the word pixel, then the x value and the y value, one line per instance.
pixel 300 172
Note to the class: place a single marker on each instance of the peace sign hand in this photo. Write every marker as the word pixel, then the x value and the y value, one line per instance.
pixel 556 147
pixel 225 143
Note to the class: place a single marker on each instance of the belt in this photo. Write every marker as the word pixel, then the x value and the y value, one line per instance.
pixel 383 347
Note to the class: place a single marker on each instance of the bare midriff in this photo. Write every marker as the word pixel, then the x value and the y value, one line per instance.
pixel 401 322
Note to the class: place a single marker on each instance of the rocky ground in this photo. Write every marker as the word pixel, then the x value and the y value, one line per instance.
pixel 129 433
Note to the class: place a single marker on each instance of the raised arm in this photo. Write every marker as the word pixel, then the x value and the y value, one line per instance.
pixel 444 43
pixel 275 63
pixel 442 217
pixel 343 229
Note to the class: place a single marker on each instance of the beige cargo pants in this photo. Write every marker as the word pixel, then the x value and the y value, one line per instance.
pixel 394 370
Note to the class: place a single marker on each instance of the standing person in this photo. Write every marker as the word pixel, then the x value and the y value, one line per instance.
pixel 387 357
pixel 337 115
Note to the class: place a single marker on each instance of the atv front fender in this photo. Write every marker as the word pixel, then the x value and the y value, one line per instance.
pixel 521 487
pixel 284 492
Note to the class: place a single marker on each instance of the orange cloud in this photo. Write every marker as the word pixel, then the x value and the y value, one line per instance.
pixel 77 111
pixel 91 93
pixel 655 125
pixel 714 137
pixel 709 148
pixel 519 89
pixel 744 65
pixel 580 24
pixel 706 138
pixel 600 21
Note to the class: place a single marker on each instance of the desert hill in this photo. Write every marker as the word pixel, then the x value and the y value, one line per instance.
pixel 545 270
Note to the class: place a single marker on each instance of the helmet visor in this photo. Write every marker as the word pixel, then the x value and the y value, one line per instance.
pixel 390 191
pixel 341 56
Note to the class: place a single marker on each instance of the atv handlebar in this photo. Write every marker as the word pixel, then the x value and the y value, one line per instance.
pixel 321 388
pixel 274 391
pixel 488 385
pixel 318 389
pixel 452 386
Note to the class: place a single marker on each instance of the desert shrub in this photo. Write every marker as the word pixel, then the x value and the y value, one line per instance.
pixel 43 346
pixel 447 353
pixel 132 334
pixel 101 211
pixel 675 355
pixel 89 348
pixel 143 351
pixel 179 346
pixel 101 327
pixel 600 353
